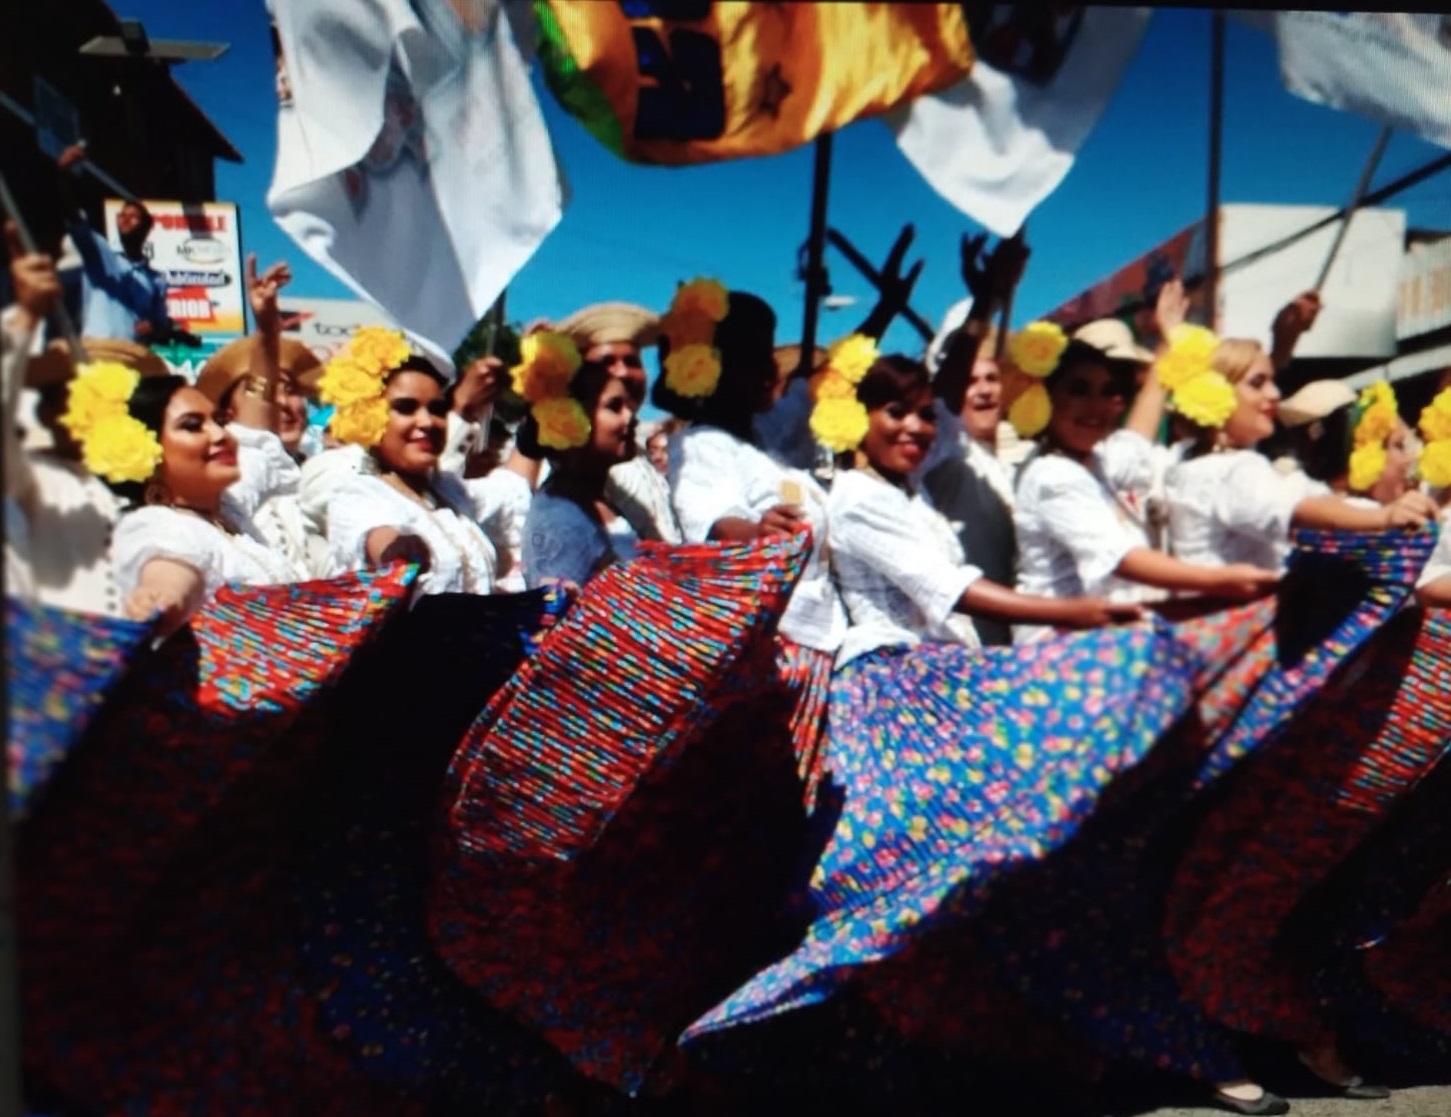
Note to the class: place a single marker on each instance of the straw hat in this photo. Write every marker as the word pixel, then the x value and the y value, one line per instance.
pixel 609 323
pixel 230 363
pixel 1316 400
pixel 55 365
pixel 788 360
pixel 1114 340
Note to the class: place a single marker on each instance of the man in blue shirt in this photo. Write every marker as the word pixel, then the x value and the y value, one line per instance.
pixel 124 296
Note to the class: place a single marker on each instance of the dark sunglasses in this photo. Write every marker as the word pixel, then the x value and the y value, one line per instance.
pixel 438 408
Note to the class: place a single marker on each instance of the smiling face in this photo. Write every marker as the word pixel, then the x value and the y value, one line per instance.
pixel 612 434
pixel 622 360
pixel 1087 406
pixel 1258 402
pixel 417 424
pixel 199 457
pixel 900 433
pixel 982 407
pixel 1395 481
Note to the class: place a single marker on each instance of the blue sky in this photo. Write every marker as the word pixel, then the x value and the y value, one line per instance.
pixel 630 232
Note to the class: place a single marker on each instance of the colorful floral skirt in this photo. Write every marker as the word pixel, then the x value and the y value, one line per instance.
pixel 1081 934
pixel 59 669
pixel 136 871
pixel 950 769
pixel 622 826
pixel 1367 740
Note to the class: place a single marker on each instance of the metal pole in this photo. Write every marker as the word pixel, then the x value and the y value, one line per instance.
pixel 855 258
pixel 1005 318
pixel 496 322
pixel 1216 147
pixel 1366 174
pixel 67 327
pixel 815 250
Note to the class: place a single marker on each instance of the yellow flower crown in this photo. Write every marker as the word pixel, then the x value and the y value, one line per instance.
pixel 1196 389
pixel 1373 421
pixel 838 418
pixel 1035 350
pixel 546 368
pixel 692 369
pixel 1434 467
pixel 115 446
pixel 353 383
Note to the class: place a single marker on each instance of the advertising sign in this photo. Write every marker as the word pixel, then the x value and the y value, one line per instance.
pixel 197 246
pixel 1425 295
pixel 324 325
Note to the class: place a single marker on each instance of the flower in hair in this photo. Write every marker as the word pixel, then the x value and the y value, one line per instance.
pixel 361 423
pixel 839 424
pixel 1376 414
pixel 562 423
pixel 1208 400
pixel 1435 421
pixel 120 449
pixel 1367 463
pixel 693 371
pixel 354 382
pixel 830 384
pixel 1434 466
pixel 1030 412
pixel 851 357
pixel 100 390
pixel 1186 357
pixel 1037 348
pixel 547 364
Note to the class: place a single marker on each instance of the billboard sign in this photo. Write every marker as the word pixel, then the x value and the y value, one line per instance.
pixel 324 325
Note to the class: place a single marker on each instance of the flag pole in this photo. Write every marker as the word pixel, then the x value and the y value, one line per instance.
pixel 1361 187
pixel 1005 319
pixel 815 250
pixel 27 241
pixel 1216 149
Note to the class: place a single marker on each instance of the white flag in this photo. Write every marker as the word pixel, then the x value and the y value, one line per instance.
pixel 1394 67
pixel 413 160
pixel 1001 140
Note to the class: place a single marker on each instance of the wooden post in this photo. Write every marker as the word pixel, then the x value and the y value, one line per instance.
pixel 816 250
pixel 1366 174
pixel 1216 146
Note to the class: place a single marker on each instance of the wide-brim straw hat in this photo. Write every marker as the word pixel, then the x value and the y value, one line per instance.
pixel 610 324
pixel 232 362
pixel 1316 400
pixel 1114 340
pixel 788 360
pixel 55 365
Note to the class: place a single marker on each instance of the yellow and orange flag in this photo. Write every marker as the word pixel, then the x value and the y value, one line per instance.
pixel 696 81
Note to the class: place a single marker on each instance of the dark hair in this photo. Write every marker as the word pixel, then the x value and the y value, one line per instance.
pixel 745 339
pixel 418 364
pixel 892 379
pixel 147 221
pixel 1122 374
pixel 1323 447
pixel 586 386
pixel 148 406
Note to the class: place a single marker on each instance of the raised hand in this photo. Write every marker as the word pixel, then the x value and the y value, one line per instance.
pixel 1412 510
pixel 1171 310
pixel 783 519
pixel 262 293
pixel 992 278
pixel 896 288
pixel 478 387
pixel 33 276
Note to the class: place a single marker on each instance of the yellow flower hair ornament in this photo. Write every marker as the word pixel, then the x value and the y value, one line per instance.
pixel 1030 412
pixel 1037 348
pixel 115 446
pixel 1207 400
pixel 838 419
pixel 1186 357
pixel 1434 466
pixel 1373 420
pixel 693 368
pixel 353 382
pixel 547 364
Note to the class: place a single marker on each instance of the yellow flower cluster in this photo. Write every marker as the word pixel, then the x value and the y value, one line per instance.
pixel 1435 464
pixel 114 446
pixel 1187 356
pixel 838 419
pixel 1208 400
pixel 546 368
pixel 353 383
pixel 1030 412
pixel 1376 416
pixel 1037 348
pixel 693 368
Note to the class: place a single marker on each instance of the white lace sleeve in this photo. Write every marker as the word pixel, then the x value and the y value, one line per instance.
pixel 1128 461
pixel 355 507
pixel 500 502
pixel 1067 500
pixel 164 533
pixel 561 541
pixel 637 492
pixel 1256 499
pixel 266 467
pixel 705 482
pixel 321 476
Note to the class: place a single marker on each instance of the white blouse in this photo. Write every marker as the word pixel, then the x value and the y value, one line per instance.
pixel 462 558
pixel 1439 564
pixel 220 557
pixel 501 500
pixel 71 517
pixel 562 540
pixel 714 475
pixel 1234 506
pixel 899 566
pixel 268 491
pixel 1076 523
pixel 637 492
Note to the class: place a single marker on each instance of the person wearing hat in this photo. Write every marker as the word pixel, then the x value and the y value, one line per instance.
pixel 613 336
pixel 259 385
pixel 68 516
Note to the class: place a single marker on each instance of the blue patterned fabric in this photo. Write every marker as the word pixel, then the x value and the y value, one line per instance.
pixel 59 669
